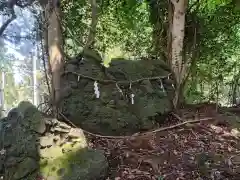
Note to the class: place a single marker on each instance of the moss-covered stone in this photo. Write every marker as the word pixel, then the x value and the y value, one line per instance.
pixel 84 164
pixel 59 152
pixel 113 113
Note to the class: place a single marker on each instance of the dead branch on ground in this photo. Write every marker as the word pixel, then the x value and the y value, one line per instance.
pixel 139 134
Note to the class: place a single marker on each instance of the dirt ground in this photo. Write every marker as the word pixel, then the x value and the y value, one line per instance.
pixel 206 149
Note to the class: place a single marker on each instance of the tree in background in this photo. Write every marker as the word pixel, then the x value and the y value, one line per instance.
pixel 203 56
pixel 9 92
pixel 177 30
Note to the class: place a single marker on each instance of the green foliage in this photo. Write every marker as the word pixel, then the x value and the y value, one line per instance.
pixel 211 6
pixel 122 25
pixel 6 64
pixel 125 30
pixel 218 52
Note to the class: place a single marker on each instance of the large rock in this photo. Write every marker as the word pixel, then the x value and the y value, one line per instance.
pixel 32 146
pixel 113 113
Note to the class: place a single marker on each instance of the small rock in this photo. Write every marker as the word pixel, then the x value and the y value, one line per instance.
pixel 235 132
pixel 63 125
pixel 60 129
pixel 48 121
pixel 76 133
pixel 46 141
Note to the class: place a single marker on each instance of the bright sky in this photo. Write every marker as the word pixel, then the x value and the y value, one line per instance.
pixel 19 27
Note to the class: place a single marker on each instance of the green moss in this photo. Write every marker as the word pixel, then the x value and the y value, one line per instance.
pixel 72 164
pixel 113 113
pixel 56 151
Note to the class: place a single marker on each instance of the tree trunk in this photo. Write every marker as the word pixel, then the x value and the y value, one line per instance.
pixel 169 34
pixel 177 36
pixel 34 80
pixel 158 12
pixel 2 102
pixel 235 83
pixel 92 32
pixel 54 43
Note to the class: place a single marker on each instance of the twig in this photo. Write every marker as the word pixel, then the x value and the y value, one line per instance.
pixel 39 105
pixel 119 82
pixel 177 116
pixel 44 47
pixel 119 89
pixel 138 134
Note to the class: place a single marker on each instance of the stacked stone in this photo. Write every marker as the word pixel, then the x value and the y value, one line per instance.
pixel 35 147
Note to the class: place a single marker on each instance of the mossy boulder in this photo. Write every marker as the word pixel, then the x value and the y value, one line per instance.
pixel 115 112
pixel 34 146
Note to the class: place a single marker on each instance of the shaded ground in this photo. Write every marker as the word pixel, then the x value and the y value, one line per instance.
pixel 204 150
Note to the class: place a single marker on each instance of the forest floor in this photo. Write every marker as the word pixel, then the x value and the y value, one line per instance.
pixel 207 148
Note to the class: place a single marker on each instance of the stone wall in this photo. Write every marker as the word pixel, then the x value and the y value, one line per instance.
pixel 115 112
pixel 35 147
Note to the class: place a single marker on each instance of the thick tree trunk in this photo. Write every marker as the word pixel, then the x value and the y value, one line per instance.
pixel 172 49
pixel 177 37
pixel 54 45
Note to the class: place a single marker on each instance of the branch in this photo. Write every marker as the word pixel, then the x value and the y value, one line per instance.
pixel 24 5
pixel 192 60
pixel 28 37
pixel 5 25
pixel 10 4
pixel 139 134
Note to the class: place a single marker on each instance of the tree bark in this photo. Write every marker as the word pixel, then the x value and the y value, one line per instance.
pixel 2 102
pixel 169 36
pixel 92 32
pixel 54 45
pixel 235 83
pixel 177 37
